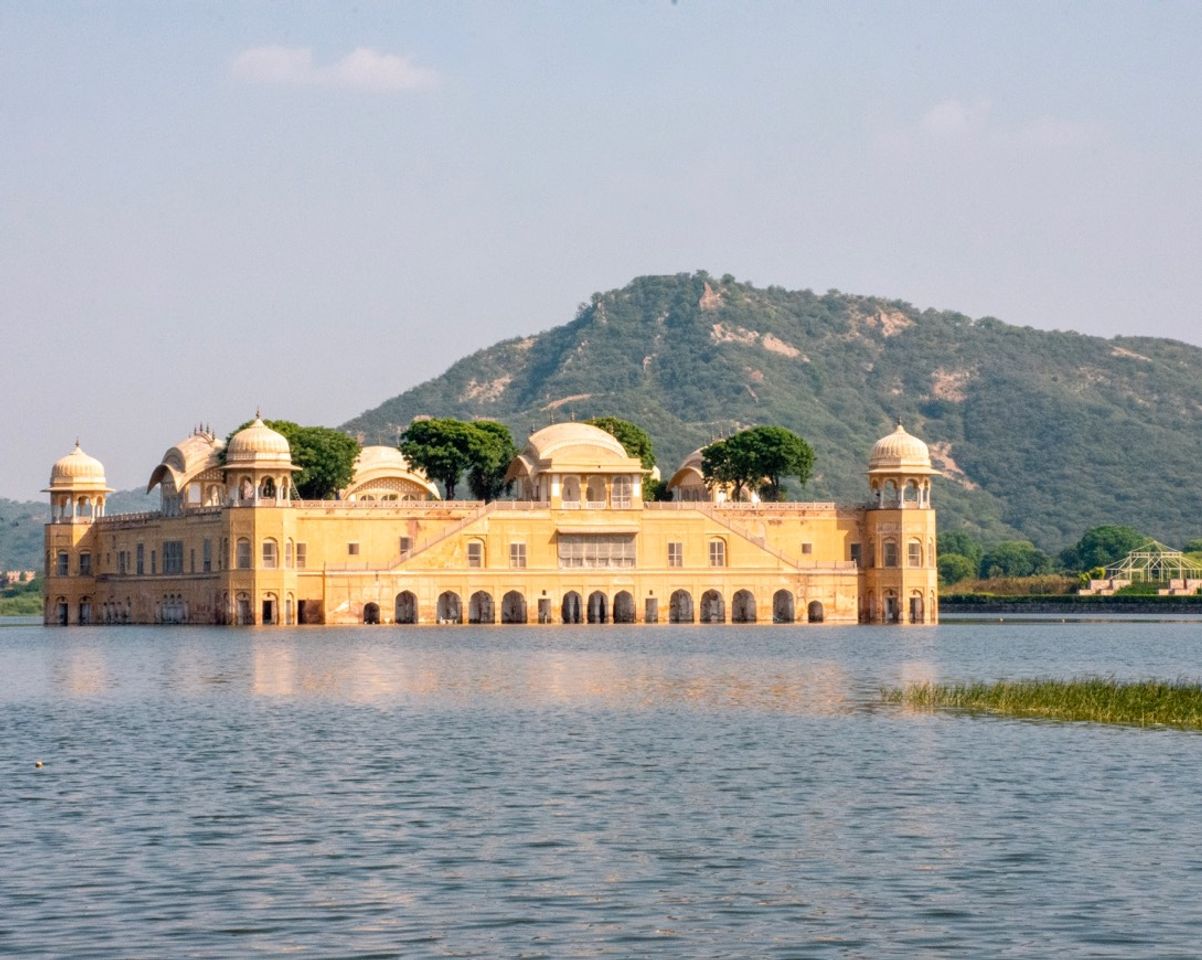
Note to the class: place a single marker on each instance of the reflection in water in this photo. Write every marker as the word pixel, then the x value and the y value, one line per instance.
pixel 688 792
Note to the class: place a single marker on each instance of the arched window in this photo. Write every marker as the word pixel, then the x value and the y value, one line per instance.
pixel 571 490
pixel 475 553
pixel 267 489
pixel 914 553
pixel 288 553
pixel 242 554
pixel 717 553
pixel 889 550
pixel 270 554
pixel 911 491
pixel 596 492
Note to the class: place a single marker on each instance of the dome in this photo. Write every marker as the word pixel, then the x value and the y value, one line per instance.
pixel 258 444
pixel 900 452
pixel 383 470
pixel 577 440
pixel 77 469
pixel 188 459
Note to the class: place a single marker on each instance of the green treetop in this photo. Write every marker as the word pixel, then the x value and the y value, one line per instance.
pixel 326 457
pixel 759 458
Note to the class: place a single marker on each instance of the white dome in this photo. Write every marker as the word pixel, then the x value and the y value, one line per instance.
pixel 77 469
pixel 258 444
pixel 900 451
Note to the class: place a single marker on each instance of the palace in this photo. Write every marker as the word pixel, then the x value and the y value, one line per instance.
pixel 230 544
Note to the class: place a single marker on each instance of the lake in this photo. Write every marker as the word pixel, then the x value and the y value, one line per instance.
pixel 652 791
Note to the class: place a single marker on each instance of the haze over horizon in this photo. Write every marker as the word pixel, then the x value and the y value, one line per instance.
pixel 311 208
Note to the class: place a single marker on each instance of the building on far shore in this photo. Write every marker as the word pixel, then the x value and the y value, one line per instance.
pixel 230 545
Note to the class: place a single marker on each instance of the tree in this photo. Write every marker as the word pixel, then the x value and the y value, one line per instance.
pixel 326 457
pixel 954 567
pixel 634 439
pixel 1014 558
pixel 965 544
pixel 760 458
pixel 492 449
pixel 1192 546
pixel 1102 546
pixel 442 447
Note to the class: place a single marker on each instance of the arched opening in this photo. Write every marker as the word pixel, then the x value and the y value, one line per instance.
pixel 85 611
pixel 713 607
pixel 680 607
pixel 595 491
pixel 571 490
pixel 480 608
pixel 270 609
pixel 513 608
pixel 916 608
pixel 892 607
pixel 406 607
pixel 242 554
pixel 243 615
pixel 246 490
pixel 449 608
pixel 742 607
pixel 270 554
pixel 622 492
pixel 267 489
pixel 911 492
pixel 782 607
pixel 624 607
pixel 61 614
pixel 371 613
pixel 815 613
pixel 889 553
pixel 598 607
pixel 571 607
pixel 914 553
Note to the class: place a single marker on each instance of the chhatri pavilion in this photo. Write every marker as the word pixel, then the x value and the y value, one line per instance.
pixel 231 545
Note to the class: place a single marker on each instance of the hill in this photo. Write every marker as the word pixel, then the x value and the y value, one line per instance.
pixel 21 523
pixel 1039 434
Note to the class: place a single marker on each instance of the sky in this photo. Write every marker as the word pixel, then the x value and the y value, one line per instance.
pixel 311 207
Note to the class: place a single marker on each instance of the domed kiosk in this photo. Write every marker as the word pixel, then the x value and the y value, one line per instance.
pixel 77 488
pixel 258 466
pixel 902 576
pixel 573 465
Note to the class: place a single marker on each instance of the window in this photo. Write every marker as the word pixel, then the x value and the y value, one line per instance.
pixel 122 562
pixel 890 553
pixel 807 549
pixel 675 554
pixel 475 553
pixel 140 559
pixel 406 544
pixel 62 567
pixel 300 556
pixel 242 554
pixel 288 554
pixel 173 556
pixel 191 559
pixel 85 564
pixel 717 553
pixel 206 556
pixel 270 555
pixel 517 555
pixel 857 554
pixel 596 550
pixel 914 553
pixel 621 492
pixel 154 562
pixel 352 549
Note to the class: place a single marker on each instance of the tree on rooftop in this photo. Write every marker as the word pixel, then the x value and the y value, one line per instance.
pixel 326 457
pixel 760 458
pixel 445 448
pixel 491 451
pixel 634 439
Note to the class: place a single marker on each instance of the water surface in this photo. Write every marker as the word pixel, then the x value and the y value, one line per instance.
pixel 585 792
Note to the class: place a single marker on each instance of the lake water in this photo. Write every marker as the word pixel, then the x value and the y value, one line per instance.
pixel 585 792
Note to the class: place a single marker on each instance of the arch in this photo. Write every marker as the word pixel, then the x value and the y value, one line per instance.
pixel 513 607
pixel 405 609
pixel 914 553
pixel 371 613
pixel 288 553
pixel 598 607
pixel 910 492
pixel 270 554
pixel 624 607
pixel 571 490
pixel 480 608
pixel 889 494
pixel 241 554
pixel 889 553
pixel 267 489
pixel 713 607
pixel 85 611
pixel 246 490
pixel 680 607
pixel 742 607
pixel 917 613
pixel 271 609
pixel 571 607
pixel 62 611
pixel 450 609
pixel 814 612
pixel 595 491
pixel 783 610
pixel 243 615
pixel 892 607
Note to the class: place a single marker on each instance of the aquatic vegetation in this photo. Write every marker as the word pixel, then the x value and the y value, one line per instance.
pixel 1175 703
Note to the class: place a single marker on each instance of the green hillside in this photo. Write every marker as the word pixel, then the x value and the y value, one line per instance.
pixel 21 523
pixel 1042 434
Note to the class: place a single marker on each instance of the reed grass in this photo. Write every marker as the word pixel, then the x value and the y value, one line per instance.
pixel 1176 703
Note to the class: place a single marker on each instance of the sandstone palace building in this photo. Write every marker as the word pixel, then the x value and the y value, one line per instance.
pixel 230 545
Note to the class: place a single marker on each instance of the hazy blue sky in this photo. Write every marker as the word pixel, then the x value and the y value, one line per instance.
pixel 206 206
